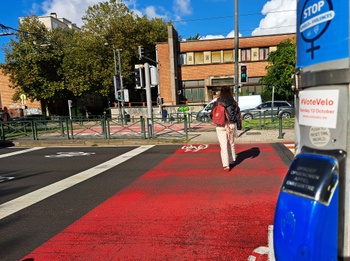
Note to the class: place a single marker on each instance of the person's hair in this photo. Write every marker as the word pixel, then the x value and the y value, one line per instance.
pixel 225 92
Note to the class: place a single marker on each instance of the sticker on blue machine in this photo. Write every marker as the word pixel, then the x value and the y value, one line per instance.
pixel 312 176
pixel 322 31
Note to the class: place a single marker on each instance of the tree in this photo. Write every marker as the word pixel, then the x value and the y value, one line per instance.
pixel 280 70
pixel 34 62
pixel 195 37
pixel 113 23
pixel 56 65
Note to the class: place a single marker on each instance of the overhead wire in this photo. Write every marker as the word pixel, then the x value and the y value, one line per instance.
pixel 240 16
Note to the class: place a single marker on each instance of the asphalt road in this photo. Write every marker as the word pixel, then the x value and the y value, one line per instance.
pixel 108 203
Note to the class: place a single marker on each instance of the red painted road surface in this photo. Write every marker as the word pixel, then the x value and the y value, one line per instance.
pixel 186 208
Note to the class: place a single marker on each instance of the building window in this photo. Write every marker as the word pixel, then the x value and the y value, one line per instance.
pixel 199 83
pixel 263 53
pixel 223 81
pixel 194 94
pixel 189 57
pixel 198 58
pixel 245 55
pixel 228 56
pixel 182 58
pixel 216 57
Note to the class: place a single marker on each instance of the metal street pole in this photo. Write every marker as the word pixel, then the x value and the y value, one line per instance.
pixel 149 99
pixel 121 82
pixel 115 84
pixel 114 79
pixel 236 54
pixel 236 50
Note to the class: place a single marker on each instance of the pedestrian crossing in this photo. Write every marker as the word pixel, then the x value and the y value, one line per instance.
pixel 290 146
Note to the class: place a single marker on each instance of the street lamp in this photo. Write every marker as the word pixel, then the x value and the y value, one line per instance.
pixel 115 61
pixel 120 76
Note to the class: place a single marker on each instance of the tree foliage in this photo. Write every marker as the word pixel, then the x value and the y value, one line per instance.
pixel 34 62
pixel 111 25
pixel 195 37
pixel 65 64
pixel 280 70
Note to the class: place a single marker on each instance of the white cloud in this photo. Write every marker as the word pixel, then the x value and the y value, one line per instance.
pixel 208 37
pixel 72 10
pixel 182 7
pixel 280 17
pixel 152 12
pixel 230 35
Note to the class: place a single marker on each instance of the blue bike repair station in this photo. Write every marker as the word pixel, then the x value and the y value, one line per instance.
pixel 312 212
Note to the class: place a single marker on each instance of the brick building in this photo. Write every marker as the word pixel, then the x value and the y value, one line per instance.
pixel 15 108
pixel 194 71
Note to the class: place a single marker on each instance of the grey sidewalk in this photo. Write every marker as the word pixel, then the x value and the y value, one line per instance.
pixel 249 136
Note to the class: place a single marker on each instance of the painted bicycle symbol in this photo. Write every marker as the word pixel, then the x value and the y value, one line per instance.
pixel 264 252
pixel 70 154
pixel 193 148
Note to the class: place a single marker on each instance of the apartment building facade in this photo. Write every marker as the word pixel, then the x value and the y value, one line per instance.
pixel 193 71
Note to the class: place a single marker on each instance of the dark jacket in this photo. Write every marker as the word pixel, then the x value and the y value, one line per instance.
pixel 230 105
pixel 232 109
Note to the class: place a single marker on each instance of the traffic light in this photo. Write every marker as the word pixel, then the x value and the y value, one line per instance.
pixel 244 75
pixel 120 95
pixel 160 100
pixel 116 80
pixel 140 52
pixel 139 76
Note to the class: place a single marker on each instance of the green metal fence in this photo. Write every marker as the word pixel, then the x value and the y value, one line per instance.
pixel 93 127
pixel 176 127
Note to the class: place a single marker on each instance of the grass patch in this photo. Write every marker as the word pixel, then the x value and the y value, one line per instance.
pixel 268 123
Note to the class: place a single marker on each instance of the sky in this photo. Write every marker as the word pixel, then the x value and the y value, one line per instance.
pixel 208 18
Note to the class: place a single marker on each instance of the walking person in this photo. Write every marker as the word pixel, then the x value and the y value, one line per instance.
pixel 226 132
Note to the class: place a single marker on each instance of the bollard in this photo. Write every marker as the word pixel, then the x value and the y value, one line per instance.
pixel 185 125
pixel 280 136
pixel 143 128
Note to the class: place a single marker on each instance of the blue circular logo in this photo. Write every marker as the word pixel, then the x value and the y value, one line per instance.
pixel 315 18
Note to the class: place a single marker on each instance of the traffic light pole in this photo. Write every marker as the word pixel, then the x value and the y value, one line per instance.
pixel 148 98
pixel 148 89
pixel 114 78
pixel 236 50
pixel 121 85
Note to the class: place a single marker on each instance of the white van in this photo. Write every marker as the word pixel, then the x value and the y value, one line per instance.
pixel 244 103
pixel 249 101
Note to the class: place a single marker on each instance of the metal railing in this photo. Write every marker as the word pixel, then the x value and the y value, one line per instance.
pixel 174 127
pixel 93 127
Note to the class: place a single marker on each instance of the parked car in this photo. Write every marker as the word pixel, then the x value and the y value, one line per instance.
pixel 204 114
pixel 267 109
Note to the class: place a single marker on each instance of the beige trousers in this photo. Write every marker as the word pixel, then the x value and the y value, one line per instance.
pixel 226 136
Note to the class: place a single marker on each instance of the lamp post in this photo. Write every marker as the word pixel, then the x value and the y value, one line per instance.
pixel 120 78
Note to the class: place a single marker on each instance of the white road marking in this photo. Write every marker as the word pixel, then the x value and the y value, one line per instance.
pixel 70 154
pixel 264 250
pixel 20 152
pixel 290 146
pixel 193 148
pixel 29 199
